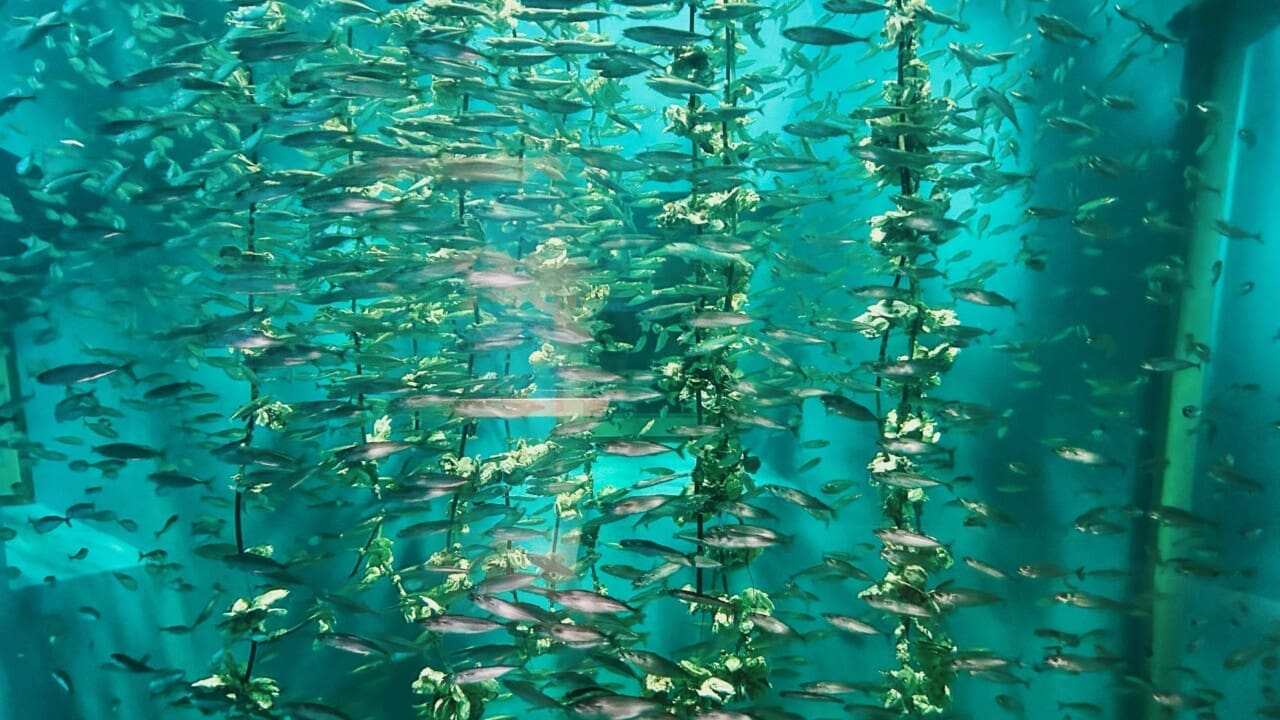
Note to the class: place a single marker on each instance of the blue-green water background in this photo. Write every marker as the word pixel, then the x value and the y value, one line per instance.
pixel 100 299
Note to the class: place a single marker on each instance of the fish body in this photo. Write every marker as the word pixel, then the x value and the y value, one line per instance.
pixel 1085 457
pixel 589 602
pixel 481 674
pixel 905 480
pixel 845 407
pixel 1234 232
pixel 48 523
pixel 126 451
pixel 851 624
pixel 978 296
pixel 899 536
pixel 74 373
pixel 1168 365
pixel 1059 29
pixel 136 665
pixel 662 36
pixel 613 707
pixel 819 35
pixel 633 448
pixel 740 537
pixel 854 7
pixel 459 625
pixel 972 56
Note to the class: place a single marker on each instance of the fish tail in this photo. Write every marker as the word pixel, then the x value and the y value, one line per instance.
pixel 127 369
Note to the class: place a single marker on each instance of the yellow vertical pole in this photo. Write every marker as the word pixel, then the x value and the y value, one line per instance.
pixel 15 479
pixel 1195 319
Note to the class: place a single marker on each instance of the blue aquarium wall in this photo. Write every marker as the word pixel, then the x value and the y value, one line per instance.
pixel 472 359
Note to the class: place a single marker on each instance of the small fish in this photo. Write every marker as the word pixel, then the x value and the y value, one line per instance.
pixel 1073 126
pixel 170 390
pixel 818 35
pixel 717 319
pixel 1243 656
pixel 167 524
pixel 905 479
pixel 1145 27
pixel 985 568
pixel 82 372
pixel 48 523
pixel 949 598
pixel 589 602
pixel 64 681
pixel 845 407
pixel 613 707
pixel 809 503
pixel 674 87
pixel 13 100
pixel 137 665
pixel 1090 601
pixel 851 624
pixel 481 674
pixel 910 447
pixel 1168 365
pixel 1224 472
pixel 880 292
pixel 978 296
pixel 740 537
pixel 353 644
pixel 370 451
pixel 815 129
pixel 853 7
pixel 907 538
pixel 786 164
pixel 990 96
pixel 662 36
pixel 899 607
pixel 1234 232
pixel 641 504
pixel 1058 29
pixel 126 451
pixel 80 511
pixel 77 405
pixel 1122 103
pixel 459 625
pixel 1085 457
pixel 174 479
pixel 697 598
pixel 973 56
pixel 633 448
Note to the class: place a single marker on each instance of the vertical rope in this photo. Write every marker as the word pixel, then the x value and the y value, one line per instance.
pixel 254 391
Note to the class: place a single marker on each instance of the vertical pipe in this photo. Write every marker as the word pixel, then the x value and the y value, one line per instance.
pixel 1175 486
pixel 251 420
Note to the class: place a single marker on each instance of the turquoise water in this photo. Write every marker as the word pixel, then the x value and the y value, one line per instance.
pixel 479 360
